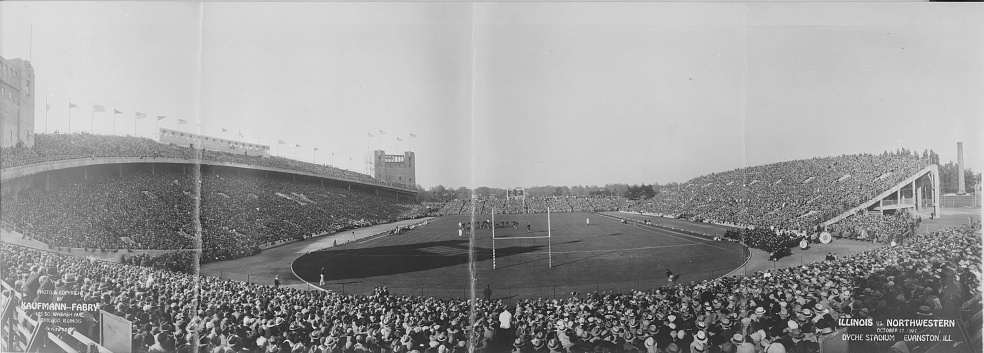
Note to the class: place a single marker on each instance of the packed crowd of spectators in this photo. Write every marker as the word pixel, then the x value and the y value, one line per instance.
pixel 795 195
pixel 180 261
pixel 86 145
pixel 16 154
pixel 875 227
pixel 787 196
pixel 237 214
pixel 777 243
pixel 787 310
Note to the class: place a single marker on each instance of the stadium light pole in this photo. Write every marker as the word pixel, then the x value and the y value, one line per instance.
pixel 549 241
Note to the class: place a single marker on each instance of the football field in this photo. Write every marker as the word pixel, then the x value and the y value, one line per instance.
pixel 433 260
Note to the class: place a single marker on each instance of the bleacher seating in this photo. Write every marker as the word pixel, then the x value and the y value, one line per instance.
pixel 141 210
pixel 796 195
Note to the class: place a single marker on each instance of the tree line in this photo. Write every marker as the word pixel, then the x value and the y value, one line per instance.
pixel 635 192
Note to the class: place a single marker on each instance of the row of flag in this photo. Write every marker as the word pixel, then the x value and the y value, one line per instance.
pixel 224 130
pixel 98 108
pixel 381 132
pixel 282 142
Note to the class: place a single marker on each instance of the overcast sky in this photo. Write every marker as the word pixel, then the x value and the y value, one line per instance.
pixel 515 94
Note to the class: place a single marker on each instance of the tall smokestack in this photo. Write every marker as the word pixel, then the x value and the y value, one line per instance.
pixel 961 188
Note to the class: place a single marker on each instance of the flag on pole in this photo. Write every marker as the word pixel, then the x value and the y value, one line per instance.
pixel 98 108
pixel 316 149
pixel 413 136
pixel 71 105
pixel 182 121
pixel 297 145
pixel 47 107
pixel 370 135
pixel 280 142
pixel 399 139
pixel 381 132
pixel 140 115
pixel 160 117
pixel 115 111
pixel 224 130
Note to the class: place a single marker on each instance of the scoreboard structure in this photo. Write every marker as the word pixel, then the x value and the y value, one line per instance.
pixel 516 193
pixel 181 138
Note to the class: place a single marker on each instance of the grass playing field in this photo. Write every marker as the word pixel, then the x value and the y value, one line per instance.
pixel 605 255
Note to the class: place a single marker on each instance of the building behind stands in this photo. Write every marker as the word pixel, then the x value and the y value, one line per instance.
pixel 181 138
pixel 16 102
pixel 393 167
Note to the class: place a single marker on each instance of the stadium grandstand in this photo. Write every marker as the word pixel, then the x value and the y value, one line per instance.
pixel 170 180
pixel 853 196
pixel 81 146
pixel 157 199
pixel 143 210
pixel 798 195
pixel 528 205
pixel 147 201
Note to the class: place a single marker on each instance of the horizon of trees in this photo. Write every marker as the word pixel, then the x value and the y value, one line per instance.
pixel 442 193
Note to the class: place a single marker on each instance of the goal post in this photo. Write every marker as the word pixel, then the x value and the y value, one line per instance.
pixel 548 237
pixel 549 243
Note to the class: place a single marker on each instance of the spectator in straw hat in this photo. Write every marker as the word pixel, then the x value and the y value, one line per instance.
pixel 924 312
pixel 743 345
pixel 791 338
pixel 460 347
pixel 673 348
pixel 538 345
pixel 65 293
pixel 520 346
pixel 553 346
pixel 697 347
pixel 774 347
pixel 650 345
pixel 701 337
